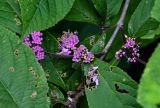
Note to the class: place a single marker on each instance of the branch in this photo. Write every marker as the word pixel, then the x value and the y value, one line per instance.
pixel 105 28
pixel 57 55
pixel 73 96
pixel 118 27
pixel 141 61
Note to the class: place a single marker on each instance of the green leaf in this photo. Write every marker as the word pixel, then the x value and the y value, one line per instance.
pixel 41 14
pixel 83 12
pixel 151 34
pixel 10 15
pixel 95 43
pixel 143 17
pixel 115 90
pixel 149 88
pixel 100 44
pixel 107 8
pixel 50 43
pixel 113 7
pixel 55 92
pixel 63 67
pixel 155 11
pixel 101 6
pixel 52 73
pixel 22 80
pixel 74 80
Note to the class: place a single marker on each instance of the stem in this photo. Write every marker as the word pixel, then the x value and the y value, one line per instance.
pixel 73 96
pixel 141 61
pixel 118 27
pixel 57 55
pixel 105 28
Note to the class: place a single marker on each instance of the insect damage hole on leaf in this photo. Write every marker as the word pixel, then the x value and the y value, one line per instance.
pixel 34 94
pixel 121 90
pixel 16 52
pixel 11 69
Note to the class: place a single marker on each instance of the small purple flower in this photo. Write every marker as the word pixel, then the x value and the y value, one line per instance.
pixel 40 55
pixel 132 60
pixel 37 48
pixel 119 54
pixel 27 41
pixel 34 40
pixel 65 51
pixel 89 57
pixel 92 79
pixel 130 42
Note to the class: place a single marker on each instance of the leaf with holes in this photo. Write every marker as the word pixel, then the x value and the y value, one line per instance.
pixel 10 15
pixel 149 88
pixel 41 14
pixel 22 79
pixel 115 90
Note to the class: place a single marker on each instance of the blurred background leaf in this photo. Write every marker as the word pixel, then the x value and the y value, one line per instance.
pixel 149 88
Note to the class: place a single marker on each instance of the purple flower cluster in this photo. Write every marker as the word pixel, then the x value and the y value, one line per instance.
pixel 34 40
pixel 69 40
pixel 68 43
pixel 129 50
pixel 82 54
pixel 92 79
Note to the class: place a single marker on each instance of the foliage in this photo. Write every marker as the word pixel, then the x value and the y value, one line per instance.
pixel 148 92
pixel 90 47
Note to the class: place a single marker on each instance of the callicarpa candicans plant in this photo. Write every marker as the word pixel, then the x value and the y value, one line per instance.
pixel 79 54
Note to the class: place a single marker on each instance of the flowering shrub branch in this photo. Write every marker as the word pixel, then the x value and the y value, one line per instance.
pixel 48 70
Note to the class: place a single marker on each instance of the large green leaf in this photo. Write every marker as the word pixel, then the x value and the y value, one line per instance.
pixel 115 90
pixel 10 15
pixel 22 80
pixel 42 14
pixel 144 16
pixel 83 12
pixel 149 88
